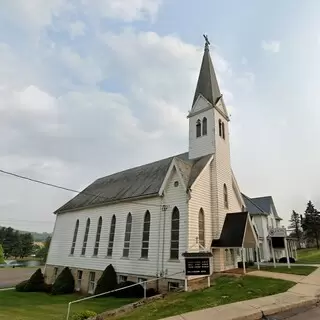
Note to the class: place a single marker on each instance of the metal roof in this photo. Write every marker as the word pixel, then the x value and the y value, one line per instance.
pixel 142 181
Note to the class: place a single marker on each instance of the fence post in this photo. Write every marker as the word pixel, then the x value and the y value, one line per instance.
pixel 68 313
pixel 145 289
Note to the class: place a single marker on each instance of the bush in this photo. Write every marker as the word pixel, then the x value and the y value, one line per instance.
pixel 107 281
pixel 20 286
pixel 82 315
pixel 64 283
pixel 136 291
pixel 34 284
pixel 284 260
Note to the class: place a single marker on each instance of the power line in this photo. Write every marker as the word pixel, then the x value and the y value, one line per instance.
pixel 69 189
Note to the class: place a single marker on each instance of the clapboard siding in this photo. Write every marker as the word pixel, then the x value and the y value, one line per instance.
pixel 201 198
pixel 65 223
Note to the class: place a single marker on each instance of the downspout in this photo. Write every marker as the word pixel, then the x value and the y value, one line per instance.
pixel 159 230
pixel 164 209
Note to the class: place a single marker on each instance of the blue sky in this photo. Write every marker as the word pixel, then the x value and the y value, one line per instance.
pixel 88 88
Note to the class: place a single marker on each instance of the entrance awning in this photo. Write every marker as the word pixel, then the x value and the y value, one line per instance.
pixel 237 232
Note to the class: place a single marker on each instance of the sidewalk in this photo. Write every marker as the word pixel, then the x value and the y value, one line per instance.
pixel 305 292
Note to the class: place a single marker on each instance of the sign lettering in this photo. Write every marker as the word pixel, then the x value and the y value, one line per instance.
pixel 197 266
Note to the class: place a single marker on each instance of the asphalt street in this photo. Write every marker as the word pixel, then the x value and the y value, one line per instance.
pixel 312 313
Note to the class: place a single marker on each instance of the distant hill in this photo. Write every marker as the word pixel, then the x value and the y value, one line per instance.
pixel 37 236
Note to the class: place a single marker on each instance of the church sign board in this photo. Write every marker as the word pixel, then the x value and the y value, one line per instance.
pixel 278 236
pixel 277 232
pixel 197 263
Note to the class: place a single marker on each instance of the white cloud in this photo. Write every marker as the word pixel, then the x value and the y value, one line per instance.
pixel 77 28
pixel 272 46
pixel 127 10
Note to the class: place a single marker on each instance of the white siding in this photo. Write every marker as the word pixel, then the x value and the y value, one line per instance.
pixel 201 198
pixel 202 145
pixel 62 238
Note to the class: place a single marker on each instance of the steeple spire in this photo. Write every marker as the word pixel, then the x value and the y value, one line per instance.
pixel 207 84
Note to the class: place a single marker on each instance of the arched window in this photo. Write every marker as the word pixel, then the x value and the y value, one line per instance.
pixel 225 196
pixel 220 128
pixel 127 236
pixel 111 236
pixel 85 239
pixel 201 227
pixel 145 235
pixel 75 235
pixel 96 244
pixel 223 134
pixel 174 245
pixel 198 128
pixel 204 126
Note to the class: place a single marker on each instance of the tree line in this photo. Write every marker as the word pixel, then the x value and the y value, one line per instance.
pixel 16 244
pixel 306 227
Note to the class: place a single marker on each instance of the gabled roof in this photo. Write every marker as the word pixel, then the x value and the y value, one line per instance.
pixel 142 181
pixel 233 231
pixel 260 205
pixel 267 204
pixel 207 84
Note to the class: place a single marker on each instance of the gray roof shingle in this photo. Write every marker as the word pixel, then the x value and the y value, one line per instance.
pixel 142 181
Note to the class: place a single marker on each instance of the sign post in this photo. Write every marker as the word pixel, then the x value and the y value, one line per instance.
pixel 278 237
pixel 197 264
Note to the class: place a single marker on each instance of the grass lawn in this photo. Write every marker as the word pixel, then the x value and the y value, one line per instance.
pixel 300 270
pixel 309 256
pixel 39 306
pixel 226 289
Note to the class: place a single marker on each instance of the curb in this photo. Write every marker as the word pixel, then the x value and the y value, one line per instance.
pixel 278 309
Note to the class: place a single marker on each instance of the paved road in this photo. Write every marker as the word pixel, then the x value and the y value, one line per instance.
pixel 9 277
pixel 308 313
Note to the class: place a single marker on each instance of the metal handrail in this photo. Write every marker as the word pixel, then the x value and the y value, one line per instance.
pixel 111 291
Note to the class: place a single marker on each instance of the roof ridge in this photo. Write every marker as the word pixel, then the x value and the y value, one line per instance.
pixel 250 199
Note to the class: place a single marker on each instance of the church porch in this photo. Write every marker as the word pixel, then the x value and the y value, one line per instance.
pixel 237 243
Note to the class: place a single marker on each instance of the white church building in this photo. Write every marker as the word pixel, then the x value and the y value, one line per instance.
pixel 142 220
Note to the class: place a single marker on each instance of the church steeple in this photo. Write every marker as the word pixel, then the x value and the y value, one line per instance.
pixel 207 84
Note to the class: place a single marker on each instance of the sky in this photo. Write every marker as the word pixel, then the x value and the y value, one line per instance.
pixel 92 87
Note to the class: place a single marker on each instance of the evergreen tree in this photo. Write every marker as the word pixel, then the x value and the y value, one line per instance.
pixel 64 283
pixel 311 224
pixel 1 255
pixel 107 281
pixel 295 225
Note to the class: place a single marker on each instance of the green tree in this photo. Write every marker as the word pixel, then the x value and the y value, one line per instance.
pixel 311 224
pixel 43 252
pixel 295 225
pixel 1 255
pixel 26 245
pixel 107 281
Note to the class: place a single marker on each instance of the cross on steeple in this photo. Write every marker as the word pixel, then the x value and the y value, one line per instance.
pixel 207 42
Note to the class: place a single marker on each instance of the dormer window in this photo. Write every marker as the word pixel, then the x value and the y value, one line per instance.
pixel 198 128
pixel 204 126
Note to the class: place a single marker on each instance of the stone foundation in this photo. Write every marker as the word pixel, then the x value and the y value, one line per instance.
pixel 160 285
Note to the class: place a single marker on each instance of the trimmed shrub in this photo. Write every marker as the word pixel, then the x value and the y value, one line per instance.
pixel 20 286
pixel 284 260
pixel 64 283
pixel 82 315
pixel 108 280
pixel 36 283
pixel 136 291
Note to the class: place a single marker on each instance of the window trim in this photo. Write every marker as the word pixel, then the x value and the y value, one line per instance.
pixel 127 237
pixel 85 238
pixel 204 126
pixel 175 256
pixel 220 128
pixel 225 196
pixel 223 132
pixel 198 128
pixel 112 233
pixel 92 282
pixel 98 236
pixel 201 241
pixel 146 230
pixel 79 280
pixel 122 278
pixel 75 236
